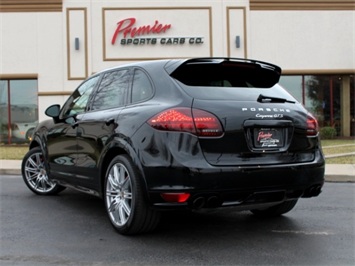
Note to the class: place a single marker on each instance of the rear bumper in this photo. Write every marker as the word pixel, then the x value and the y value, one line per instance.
pixel 175 163
pixel 244 187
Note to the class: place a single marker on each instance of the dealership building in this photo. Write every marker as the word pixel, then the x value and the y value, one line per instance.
pixel 48 47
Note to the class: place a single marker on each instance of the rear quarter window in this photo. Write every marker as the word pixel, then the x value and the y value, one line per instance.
pixel 141 87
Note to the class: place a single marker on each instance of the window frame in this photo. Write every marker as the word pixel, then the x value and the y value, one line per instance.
pixel 9 121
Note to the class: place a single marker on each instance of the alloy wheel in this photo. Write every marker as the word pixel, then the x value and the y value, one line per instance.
pixel 119 194
pixel 36 174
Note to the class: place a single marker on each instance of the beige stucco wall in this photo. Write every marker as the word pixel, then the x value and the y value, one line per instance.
pixel 304 39
pixel 297 40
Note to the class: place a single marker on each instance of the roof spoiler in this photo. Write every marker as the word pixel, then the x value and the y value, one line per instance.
pixel 174 64
pixel 239 72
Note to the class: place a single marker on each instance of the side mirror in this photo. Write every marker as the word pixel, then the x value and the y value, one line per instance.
pixel 53 111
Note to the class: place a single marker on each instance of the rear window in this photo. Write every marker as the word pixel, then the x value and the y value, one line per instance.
pixel 227 74
pixel 229 80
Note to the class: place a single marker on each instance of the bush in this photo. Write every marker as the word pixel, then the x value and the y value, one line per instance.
pixel 328 133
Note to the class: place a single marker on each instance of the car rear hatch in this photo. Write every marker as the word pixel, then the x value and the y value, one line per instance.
pixel 262 123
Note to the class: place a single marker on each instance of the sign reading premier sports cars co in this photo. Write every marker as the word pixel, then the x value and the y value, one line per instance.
pixel 156 33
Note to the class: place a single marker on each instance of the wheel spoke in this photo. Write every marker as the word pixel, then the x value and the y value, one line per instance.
pixel 113 182
pixel 122 216
pixel 32 176
pixel 38 158
pixel 116 176
pixel 31 170
pixel 126 208
pixel 126 183
pixel 47 182
pixel 122 176
pixel 32 162
pixel 43 183
pixel 127 195
pixel 113 206
pixel 111 193
pixel 37 183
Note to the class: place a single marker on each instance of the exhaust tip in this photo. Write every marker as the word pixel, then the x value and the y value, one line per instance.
pixel 312 191
pixel 213 202
pixel 198 203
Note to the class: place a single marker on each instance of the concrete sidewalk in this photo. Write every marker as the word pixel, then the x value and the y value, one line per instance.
pixel 333 172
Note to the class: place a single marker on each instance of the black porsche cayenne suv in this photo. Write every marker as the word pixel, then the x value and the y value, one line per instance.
pixel 179 134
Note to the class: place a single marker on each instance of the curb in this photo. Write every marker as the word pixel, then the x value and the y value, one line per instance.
pixel 10 172
pixel 339 179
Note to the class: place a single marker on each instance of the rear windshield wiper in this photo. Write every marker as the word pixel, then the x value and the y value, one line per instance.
pixel 270 99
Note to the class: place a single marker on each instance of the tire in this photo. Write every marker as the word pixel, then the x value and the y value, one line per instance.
pixel 276 210
pixel 35 175
pixel 125 204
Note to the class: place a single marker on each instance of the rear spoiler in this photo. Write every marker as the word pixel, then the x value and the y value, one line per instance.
pixel 174 64
pixel 258 73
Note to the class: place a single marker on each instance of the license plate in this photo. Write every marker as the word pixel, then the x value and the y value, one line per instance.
pixel 268 138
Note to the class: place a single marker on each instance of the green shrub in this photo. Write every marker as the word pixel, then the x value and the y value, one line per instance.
pixel 328 133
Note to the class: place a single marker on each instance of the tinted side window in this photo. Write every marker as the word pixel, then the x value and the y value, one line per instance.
pixel 112 90
pixel 77 102
pixel 142 88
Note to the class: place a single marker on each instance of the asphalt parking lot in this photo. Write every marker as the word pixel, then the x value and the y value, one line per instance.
pixel 73 229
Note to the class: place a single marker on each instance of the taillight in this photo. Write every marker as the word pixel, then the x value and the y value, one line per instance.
pixel 207 125
pixel 195 121
pixel 312 126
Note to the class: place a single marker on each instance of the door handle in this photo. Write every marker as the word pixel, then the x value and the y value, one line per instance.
pixel 109 121
pixel 74 125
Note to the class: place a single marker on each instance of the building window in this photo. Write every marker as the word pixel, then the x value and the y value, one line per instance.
pixel 19 110
pixel 321 95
